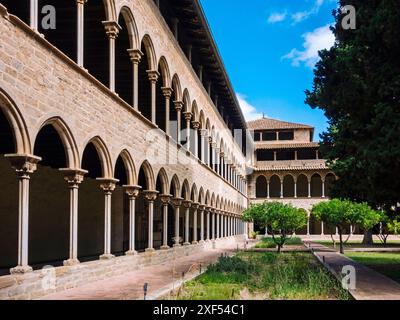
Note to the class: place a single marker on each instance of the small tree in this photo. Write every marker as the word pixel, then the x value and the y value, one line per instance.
pixel 282 220
pixel 341 213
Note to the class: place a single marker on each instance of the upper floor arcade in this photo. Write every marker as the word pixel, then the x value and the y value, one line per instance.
pixel 127 50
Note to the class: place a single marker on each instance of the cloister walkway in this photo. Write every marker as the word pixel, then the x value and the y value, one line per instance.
pixel 161 278
pixel 370 285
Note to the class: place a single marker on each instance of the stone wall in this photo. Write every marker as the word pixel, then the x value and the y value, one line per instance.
pixel 47 281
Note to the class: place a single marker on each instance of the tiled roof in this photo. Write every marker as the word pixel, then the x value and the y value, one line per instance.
pixel 270 146
pixel 272 124
pixel 298 165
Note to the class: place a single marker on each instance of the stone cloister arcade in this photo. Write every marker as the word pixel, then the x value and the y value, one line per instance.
pixel 76 107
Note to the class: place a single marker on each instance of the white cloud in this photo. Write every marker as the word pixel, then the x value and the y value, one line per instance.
pixel 249 111
pixel 277 17
pixel 303 15
pixel 319 39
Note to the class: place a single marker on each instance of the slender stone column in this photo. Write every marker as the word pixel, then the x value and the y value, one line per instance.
pixel 165 199
pixel 196 126
pixel 203 135
pixel 281 188
pixel 178 108
pixel 188 118
pixel 217 160
pixel 208 224
pixel 150 197
pixel 308 224
pixel 24 166
pixel 213 153
pixel 295 188
pixel 136 57
pixel 167 92
pixel 112 30
pixel 177 203
pixel 322 229
pixel 323 188
pixel 212 224
pixel 195 207
pixel 80 31
pixel 132 192
pixel 108 186
pixel 153 77
pixel 187 205
pixel 33 21
pixel 210 152
pixel 201 210
pixel 74 178
pixel 218 218
pixel 309 187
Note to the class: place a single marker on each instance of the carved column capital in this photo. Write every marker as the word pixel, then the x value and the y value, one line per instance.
pixel 202 207
pixel 107 185
pixel 132 191
pixel 165 199
pixel 135 55
pixel 196 125
pixel 112 29
pixel 150 195
pixel 167 92
pixel 187 204
pixel 188 115
pixel 178 105
pixel 73 177
pixel 153 75
pixel 24 164
pixel 195 205
pixel 176 202
pixel 81 1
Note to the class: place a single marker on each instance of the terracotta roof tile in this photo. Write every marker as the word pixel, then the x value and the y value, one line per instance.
pixel 272 124
pixel 271 146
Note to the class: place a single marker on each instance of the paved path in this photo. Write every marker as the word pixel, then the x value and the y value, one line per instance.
pixel 161 279
pixel 370 285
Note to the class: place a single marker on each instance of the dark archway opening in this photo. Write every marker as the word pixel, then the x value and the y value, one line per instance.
pixel 316 186
pixel 141 216
pixel 123 64
pixel 120 212
pixel 261 187
pixel 19 8
pixel 275 187
pixel 64 34
pixel 288 187
pixel 96 49
pixel 160 101
pixel 302 186
pixel 329 182
pixel 49 202
pixel 8 200
pixel 144 85
pixel 91 208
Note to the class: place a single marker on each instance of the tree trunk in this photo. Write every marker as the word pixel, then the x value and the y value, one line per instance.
pixel 341 242
pixel 279 248
pixel 368 240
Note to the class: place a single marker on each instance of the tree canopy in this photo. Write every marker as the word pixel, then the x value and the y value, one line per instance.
pixel 357 85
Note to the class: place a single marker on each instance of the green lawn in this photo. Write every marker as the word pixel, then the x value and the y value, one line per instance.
pixel 268 242
pixel 385 263
pixel 358 244
pixel 266 276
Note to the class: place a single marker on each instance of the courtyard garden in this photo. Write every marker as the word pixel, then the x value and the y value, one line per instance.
pixel 264 276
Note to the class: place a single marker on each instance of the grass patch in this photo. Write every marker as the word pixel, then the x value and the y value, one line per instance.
pixel 264 275
pixel 386 263
pixel 268 243
pixel 354 244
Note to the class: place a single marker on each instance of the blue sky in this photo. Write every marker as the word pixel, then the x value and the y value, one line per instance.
pixel 269 49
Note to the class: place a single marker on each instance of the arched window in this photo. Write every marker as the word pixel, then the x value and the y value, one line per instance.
pixel 316 186
pixel 288 187
pixel 302 186
pixel 275 187
pixel 261 187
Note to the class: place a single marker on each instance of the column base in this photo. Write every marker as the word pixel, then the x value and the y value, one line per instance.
pixel 21 270
pixel 71 262
pixel 131 253
pixel 202 242
pixel 165 248
pixel 195 242
pixel 150 250
pixel 186 244
pixel 107 257
pixel 177 245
